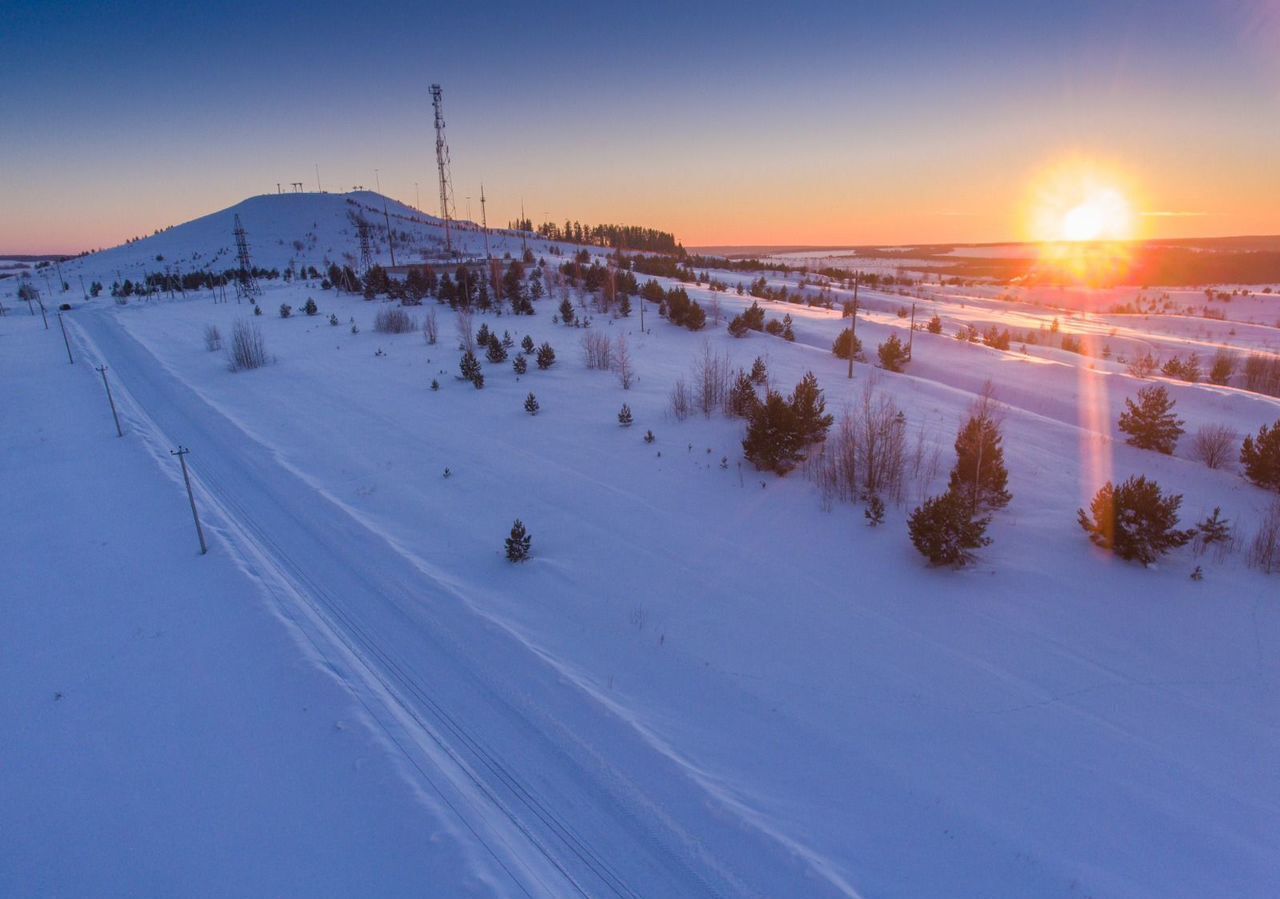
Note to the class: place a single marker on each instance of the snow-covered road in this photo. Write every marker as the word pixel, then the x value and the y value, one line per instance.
pixel 564 796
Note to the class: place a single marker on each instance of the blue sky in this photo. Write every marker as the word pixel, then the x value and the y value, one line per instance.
pixel 820 122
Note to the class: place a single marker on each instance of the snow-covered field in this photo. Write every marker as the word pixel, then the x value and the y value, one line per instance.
pixel 702 683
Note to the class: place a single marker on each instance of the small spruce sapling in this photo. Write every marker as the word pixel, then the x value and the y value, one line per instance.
pixel 518 543
pixel 546 356
pixel 874 513
pixel 520 364
pixel 531 404
pixel 624 416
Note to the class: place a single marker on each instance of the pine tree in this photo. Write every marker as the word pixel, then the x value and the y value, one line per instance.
pixel 546 356
pixel 531 404
pixel 787 332
pixel 811 418
pixel 567 314
pixel 1134 520
pixel 520 364
pixel 841 346
pixel 935 325
pixel 893 355
pixel 519 543
pixel 874 513
pixel 435 385
pixel 772 440
pixel 310 308
pixel 759 372
pixel 738 326
pixel 1260 457
pixel 527 344
pixel 1214 529
pixel 469 366
pixel 945 531
pixel 496 352
pixel 1150 422
pixel 624 416
pixel 979 473
pixel 507 341
pixel 742 396
pixel 482 336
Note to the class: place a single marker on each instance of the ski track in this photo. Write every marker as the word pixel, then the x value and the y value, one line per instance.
pixel 503 745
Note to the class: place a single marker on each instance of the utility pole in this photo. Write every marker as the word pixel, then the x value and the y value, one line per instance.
pixel 66 342
pixel 417 197
pixel 102 370
pixel 318 190
pixel 181 453
pixel 62 285
pixel 84 292
pixel 853 326
pixel 911 335
pixel 44 317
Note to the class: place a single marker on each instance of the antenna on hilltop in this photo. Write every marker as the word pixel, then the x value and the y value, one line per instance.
pixel 442 164
pixel 366 251
pixel 246 284
pixel 484 224
pixel 524 246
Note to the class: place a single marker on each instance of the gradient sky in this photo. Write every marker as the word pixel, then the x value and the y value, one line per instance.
pixel 727 123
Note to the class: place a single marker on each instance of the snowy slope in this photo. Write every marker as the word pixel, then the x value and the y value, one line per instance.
pixel 704 683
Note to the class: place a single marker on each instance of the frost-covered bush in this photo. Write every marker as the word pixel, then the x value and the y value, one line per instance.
pixel 393 320
pixel 248 350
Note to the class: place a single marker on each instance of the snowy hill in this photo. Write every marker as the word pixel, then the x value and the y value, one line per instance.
pixel 297 229
pixel 708 680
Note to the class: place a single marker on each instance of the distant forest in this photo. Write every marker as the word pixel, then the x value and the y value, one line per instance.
pixel 626 237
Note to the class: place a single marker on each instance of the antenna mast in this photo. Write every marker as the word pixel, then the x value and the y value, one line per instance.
pixel 484 224
pixel 246 284
pixel 442 164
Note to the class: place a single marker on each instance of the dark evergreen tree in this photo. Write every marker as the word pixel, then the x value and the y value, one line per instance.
pixel 527 344
pixel 810 408
pixel 695 318
pixel 531 404
pixel 979 473
pixel 893 355
pixel 1214 529
pixel 759 372
pixel 496 352
pixel 520 364
pixel 738 326
pixel 624 416
pixel 874 512
pixel 470 368
pixel 567 314
pixel 648 437
pixel 310 308
pixel 1150 422
pixel 519 543
pixel 772 440
pixel 1260 457
pixel 546 356
pixel 742 396
pixel 483 335
pixel 753 316
pixel 507 341
pixel 1134 520
pixel 841 347
pixel 787 332
pixel 285 310
pixel 945 530
pixel 934 326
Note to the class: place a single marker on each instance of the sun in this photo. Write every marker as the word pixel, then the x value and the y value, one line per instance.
pixel 1081 201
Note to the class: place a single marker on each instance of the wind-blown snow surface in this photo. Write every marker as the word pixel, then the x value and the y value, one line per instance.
pixel 702 682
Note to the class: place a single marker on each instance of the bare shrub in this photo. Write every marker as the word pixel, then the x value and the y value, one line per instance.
pixel 248 350
pixel 1214 445
pixel 393 320
pixel 430 327
pixel 622 362
pixel 212 338
pixel 466 335
pixel 1264 550
pixel 711 377
pixel 681 404
pixel 865 453
pixel 597 349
